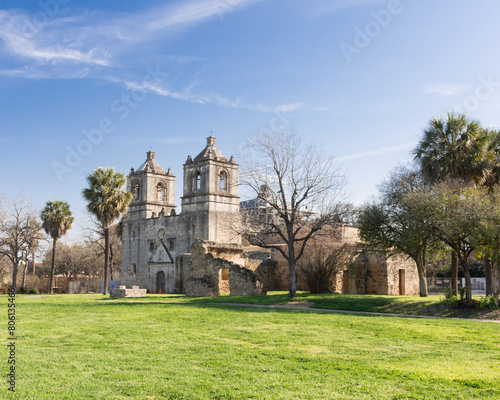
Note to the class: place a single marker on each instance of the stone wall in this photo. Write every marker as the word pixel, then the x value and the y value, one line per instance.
pixel 243 281
pixel 377 272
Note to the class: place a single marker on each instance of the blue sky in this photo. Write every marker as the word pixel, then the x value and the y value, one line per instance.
pixel 92 83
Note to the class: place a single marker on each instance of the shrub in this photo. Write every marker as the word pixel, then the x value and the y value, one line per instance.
pixel 33 291
pixel 464 303
pixel 489 303
pixel 321 263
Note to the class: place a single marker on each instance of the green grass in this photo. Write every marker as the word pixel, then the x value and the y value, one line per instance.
pixel 81 347
pixel 409 305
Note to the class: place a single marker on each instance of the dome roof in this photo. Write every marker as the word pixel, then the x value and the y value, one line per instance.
pixel 150 165
pixel 210 152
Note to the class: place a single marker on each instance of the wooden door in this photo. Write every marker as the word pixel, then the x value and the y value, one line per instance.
pixel 160 282
pixel 402 287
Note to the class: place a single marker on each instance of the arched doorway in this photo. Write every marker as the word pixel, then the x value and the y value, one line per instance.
pixel 160 282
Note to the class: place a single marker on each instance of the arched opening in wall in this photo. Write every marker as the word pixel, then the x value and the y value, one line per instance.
pixel 161 192
pixel 223 184
pixel 160 282
pixel 196 180
pixel 137 191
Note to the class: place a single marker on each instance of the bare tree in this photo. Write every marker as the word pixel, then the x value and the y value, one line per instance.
pixel 299 191
pixel 19 226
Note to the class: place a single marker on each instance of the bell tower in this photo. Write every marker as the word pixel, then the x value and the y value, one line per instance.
pixel 153 189
pixel 211 192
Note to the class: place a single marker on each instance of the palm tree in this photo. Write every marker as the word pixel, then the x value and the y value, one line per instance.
pixel 57 219
pixel 457 147
pixel 106 201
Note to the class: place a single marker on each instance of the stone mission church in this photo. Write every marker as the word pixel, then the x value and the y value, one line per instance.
pixel 154 233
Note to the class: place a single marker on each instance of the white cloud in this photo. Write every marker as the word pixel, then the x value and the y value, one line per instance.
pixel 96 37
pixel 103 45
pixel 376 152
pixel 447 89
pixel 188 95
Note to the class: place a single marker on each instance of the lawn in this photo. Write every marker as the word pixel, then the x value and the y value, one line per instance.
pixel 409 305
pixel 84 347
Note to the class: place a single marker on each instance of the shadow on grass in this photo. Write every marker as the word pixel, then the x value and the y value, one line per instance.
pixel 402 305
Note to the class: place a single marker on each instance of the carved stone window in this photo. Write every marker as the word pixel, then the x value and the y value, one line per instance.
pixel 223 184
pixel 196 180
pixel 161 192
pixel 137 191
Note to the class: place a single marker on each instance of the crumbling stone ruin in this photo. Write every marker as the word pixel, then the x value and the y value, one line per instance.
pixel 212 269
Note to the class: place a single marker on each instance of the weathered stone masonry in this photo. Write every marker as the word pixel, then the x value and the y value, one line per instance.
pixel 154 235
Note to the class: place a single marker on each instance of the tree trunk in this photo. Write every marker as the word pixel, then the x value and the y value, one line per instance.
pixel 422 278
pixel 291 267
pixel 24 275
pixel 468 286
pixel 110 261
pixel 106 260
pixel 53 266
pixel 496 283
pixel 14 275
pixel 34 272
pixel 454 272
pixel 488 273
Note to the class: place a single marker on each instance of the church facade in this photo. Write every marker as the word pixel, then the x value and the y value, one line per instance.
pixel 154 233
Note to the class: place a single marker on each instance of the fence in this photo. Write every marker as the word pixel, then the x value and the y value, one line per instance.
pixel 441 285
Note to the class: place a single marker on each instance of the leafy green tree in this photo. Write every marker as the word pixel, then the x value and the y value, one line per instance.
pixel 461 217
pixel 454 148
pixel 56 221
pixel 107 200
pixel 398 224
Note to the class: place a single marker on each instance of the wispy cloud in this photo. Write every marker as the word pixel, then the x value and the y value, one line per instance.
pixel 102 45
pixel 447 89
pixel 187 94
pixel 376 152
pixel 96 37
